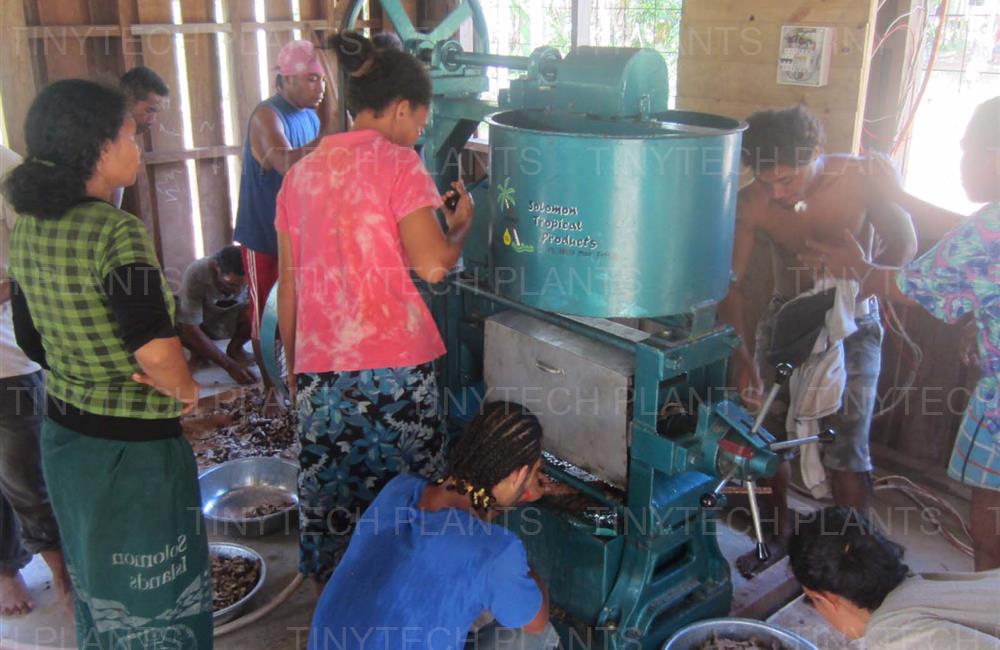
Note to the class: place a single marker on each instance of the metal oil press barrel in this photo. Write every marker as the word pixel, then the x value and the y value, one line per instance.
pixel 612 217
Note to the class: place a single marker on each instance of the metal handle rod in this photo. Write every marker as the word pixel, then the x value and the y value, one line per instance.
pixel 765 407
pixel 724 482
pixel 758 530
pixel 792 444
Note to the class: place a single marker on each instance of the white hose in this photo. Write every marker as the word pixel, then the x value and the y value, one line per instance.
pixel 258 614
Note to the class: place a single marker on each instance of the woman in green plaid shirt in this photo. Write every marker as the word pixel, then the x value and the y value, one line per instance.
pixel 92 306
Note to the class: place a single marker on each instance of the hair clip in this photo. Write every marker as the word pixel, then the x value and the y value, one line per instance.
pixel 42 161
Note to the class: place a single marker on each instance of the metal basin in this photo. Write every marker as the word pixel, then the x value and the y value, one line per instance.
pixel 738 629
pixel 227 549
pixel 230 489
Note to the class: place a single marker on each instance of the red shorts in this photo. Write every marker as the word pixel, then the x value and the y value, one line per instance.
pixel 262 275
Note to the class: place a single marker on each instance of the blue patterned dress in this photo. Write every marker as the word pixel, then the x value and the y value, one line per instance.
pixel 358 430
pixel 959 276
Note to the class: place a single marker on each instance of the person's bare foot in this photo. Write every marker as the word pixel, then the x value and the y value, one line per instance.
pixel 60 575
pixel 15 600
pixel 750 565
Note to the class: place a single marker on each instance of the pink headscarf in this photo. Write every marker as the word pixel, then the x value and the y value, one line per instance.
pixel 299 57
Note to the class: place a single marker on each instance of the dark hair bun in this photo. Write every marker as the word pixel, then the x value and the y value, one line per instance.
pixel 352 49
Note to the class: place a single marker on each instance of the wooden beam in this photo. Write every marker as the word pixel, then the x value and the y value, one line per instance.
pixel 17 80
pixel 77 32
pixel 83 32
pixel 284 25
pixel 186 28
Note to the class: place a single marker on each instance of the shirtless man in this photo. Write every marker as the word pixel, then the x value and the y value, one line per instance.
pixel 800 194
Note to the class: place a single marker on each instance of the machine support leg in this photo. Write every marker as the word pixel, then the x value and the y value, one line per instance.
pixel 762 553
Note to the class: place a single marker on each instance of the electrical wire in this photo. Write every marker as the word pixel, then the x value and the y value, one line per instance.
pixel 904 132
pixel 920 496
pixel 895 325
pixel 916 493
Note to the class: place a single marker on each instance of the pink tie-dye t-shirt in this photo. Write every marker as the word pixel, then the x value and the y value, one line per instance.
pixel 357 307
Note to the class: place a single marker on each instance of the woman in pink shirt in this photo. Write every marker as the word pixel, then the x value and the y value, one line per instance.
pixel 354 218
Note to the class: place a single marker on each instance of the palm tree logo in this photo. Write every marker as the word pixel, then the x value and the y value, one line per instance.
pixel 505 194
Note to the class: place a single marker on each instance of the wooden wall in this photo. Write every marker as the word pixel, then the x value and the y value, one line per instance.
pixel 729 56
pixel 42 41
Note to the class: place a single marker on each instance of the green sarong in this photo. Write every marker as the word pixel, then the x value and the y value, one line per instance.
pixel 134 540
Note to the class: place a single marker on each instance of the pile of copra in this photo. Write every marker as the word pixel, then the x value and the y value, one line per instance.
pixel 238 428
pixel 232 579
pixel 723 643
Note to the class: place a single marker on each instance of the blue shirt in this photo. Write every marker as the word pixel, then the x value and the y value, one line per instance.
pixel 418 580
pixel 259 188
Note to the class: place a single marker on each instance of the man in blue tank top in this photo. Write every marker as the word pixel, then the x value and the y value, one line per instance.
pixel 283 129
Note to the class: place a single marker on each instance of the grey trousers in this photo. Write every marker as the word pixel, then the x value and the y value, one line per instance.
pixel 27 525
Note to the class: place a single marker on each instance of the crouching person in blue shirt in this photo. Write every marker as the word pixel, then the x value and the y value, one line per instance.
pixel 425 560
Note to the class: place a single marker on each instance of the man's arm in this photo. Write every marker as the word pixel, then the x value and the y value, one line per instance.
pixel 732 309
pixel 269 145
pixel 883 184
pixel 195 339
pixel 931 222
pixel 894 229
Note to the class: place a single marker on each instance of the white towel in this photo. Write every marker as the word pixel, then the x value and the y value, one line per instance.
pixel 817 386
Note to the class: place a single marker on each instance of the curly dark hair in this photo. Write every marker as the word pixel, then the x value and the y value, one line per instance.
pixel 230 260
pixel 140 81
pixel 379 76
pixel 502 438
pixel 841 552
pixel 68 125
pixel 787 137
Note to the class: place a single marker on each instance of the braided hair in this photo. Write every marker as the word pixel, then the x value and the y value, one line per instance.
pixel 503 437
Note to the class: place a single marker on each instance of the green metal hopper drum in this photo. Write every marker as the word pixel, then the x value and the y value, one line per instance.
pixel 612 217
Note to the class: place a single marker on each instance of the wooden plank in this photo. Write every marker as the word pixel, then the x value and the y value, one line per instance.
pixel 284 25
pixel 65 57
pixel 839 125
pixel 756 83
pixel 758 42
pixel 196 27
pixel 17 81
pixel 728 60
pixel 130 45
pixel 244 58
pixel 198 153
pixel 278 11
pixel 205 93
pixel 789 12
pixel 171 188
pixel 75 32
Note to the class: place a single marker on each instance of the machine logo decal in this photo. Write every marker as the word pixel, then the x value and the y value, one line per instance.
pixel 505 194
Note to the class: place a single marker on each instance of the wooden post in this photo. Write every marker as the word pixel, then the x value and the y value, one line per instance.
pixel 205 93
pixel 171 188
pixel 17 80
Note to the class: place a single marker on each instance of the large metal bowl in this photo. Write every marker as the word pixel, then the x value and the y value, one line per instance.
pixel 228 549
pixel 229 489
pixel 738 629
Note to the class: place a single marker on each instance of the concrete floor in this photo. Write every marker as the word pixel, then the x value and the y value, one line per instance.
pixel 285 628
